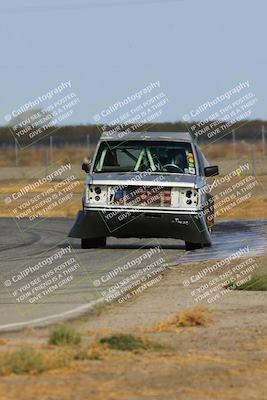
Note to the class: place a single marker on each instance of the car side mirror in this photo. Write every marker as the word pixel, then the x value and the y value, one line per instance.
pixel 212 170
pixel 86 165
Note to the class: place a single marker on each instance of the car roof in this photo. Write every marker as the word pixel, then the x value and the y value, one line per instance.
pixel 125 136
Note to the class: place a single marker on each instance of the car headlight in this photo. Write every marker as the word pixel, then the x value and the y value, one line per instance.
pixel 96 194
pixel 185 197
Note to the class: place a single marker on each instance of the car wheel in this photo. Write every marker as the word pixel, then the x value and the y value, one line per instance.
pixel 93 243
pixel 193 246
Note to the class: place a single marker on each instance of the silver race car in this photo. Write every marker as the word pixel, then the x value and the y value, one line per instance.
pixel 146 185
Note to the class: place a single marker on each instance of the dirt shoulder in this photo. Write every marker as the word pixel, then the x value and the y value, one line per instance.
pixel 225 358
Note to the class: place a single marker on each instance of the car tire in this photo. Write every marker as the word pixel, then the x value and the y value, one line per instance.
pixel 93 243
pixel 193 246
pixel 207 245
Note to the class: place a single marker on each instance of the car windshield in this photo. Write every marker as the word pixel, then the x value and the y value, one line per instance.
pixel 139 156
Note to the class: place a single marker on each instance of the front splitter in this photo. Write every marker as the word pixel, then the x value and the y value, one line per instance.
pixel 126 224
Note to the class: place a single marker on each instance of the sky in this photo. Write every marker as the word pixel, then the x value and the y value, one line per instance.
pixel 110 49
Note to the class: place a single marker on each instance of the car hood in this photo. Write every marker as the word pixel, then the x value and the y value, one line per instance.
pixel 143 179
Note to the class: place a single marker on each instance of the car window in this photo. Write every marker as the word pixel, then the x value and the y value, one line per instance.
pixel 137 156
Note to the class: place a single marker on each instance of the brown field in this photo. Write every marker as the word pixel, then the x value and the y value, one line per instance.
pixel 36 162
pixel 41 156
pixel 254 207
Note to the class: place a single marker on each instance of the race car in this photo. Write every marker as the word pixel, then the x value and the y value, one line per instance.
pixel 146 185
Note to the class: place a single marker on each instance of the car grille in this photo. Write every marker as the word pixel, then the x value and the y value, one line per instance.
pixel 149 196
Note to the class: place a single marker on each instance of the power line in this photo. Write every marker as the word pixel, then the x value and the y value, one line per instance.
pixel 69 7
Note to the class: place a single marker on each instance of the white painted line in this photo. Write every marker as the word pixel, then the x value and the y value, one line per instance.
pixel 46 320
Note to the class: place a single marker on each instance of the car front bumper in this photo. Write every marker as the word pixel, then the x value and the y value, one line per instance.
pixel 188 226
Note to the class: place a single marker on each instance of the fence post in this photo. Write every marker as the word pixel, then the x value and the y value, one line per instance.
pixel 51 149
pixel 253 160
pixel 46 159
pixel 234 143
pixel 263 141
pixel 88 142
pixel 16 153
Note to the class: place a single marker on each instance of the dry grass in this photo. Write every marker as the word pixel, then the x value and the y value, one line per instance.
pixel 94 352
pixel 38 156
pixel 28 360
pixel 35 360
pixel 68 208
pixel 218 153
pixel 32 360
pixel 197 316
pixel 222 150
pixel 245 210
pixel 256 207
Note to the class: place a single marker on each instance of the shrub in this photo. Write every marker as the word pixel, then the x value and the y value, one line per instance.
pixel 64 334
pixel 197 316
pixel 128 342
pixel 256 283
pixel 22 361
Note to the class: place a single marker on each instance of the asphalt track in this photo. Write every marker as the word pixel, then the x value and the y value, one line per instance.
pixel 20 249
